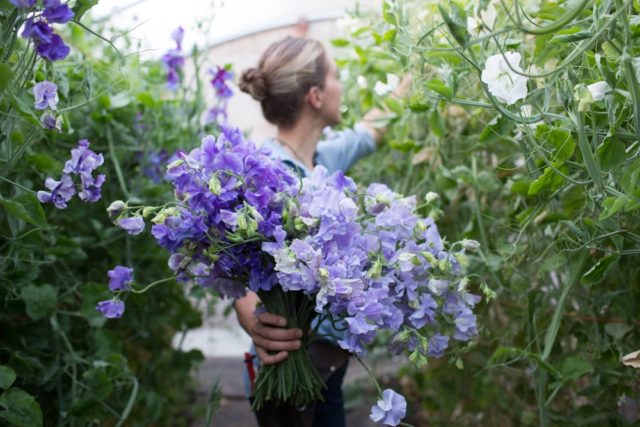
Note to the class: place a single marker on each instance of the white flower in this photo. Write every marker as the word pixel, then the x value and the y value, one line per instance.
pixel 632 359
pixel 362 82
pixel 431 197
pixel 598 90
pixel 485 20
pixel 502 81
pixel 381 89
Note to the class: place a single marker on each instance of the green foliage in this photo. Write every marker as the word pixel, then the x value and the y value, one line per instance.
pixel 548 185
pixel 61 361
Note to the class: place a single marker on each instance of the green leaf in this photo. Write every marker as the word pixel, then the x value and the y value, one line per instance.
pixel 21 409
pixel 340 42
pixel 7 377
pixel 98 382
pixel 618 330
pixel 41 301
pixel 456 21
pixel 24 110
pixel 599 271
pixel 497 129
pixel 27 208
pixel 417 103
pixel 82 6
pixel 561 142
pixel 573 368
pixel 5 76
pixel 435 124
pixel 548 181
pixel 438 86
pixel 612 205
pixel 612 153
pixel 569 37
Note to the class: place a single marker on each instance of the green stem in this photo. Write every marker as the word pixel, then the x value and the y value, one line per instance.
pixel 587 154
pixel 556 25
pixel 116 163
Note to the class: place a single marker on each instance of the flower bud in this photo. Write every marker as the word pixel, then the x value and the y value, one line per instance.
pixel 470 245
pixel 116 208
pixel 431 197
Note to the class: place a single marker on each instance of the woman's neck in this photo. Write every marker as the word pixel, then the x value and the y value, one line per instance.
pixel 301 140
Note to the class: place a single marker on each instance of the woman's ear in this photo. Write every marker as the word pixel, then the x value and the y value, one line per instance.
pixel 314 97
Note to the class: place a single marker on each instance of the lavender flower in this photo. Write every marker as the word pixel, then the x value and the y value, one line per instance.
pixel 133 225
pixel 91 187
pixel 120 278
pixel 61 191
pixel 46 95
pixel 111 309
pixel 23 4
pixel 38 31
pixel 437 345
pixel 116 208
pixel 177 35
pixel 390 409
pixel 83 160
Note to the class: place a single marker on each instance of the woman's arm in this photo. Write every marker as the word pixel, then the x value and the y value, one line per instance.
pixel 272 341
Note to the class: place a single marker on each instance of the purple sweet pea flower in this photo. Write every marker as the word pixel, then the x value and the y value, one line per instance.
pixel 390 409
pixel 54 50
pixel 133 225
pixel 91 187
pixel 61 191
pixel 38 31
pixel 46 95
pixel 219 82
pixel 56 12
pixel 177 35
pixel 111 309
pixel 83 160
pixel 120 278
pixel 23 4
pixel 437 345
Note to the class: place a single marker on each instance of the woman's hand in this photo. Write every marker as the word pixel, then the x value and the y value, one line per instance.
pixel 272 340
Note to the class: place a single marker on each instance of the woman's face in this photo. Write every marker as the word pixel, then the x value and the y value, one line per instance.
pixel 332 96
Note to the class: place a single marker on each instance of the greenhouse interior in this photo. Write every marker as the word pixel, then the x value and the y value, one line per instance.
pixel 280 213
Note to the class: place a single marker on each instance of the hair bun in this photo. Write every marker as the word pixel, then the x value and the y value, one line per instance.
pixel 253 82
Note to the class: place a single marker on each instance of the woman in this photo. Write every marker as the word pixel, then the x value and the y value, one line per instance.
pixel 297 85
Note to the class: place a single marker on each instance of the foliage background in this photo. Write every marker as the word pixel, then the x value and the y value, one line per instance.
pixel 551 193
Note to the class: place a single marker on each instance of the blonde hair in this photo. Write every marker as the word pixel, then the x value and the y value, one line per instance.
pixel 285 73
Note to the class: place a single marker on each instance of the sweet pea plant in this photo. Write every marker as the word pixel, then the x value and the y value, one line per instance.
pixel 524 118
pixel 320 247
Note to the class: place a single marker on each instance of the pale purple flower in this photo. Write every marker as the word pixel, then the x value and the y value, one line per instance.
pixel 46 95
pixel 389 410
pixel 23 4
pixel 437 345
pixel 111 309
pixel 177 35
pixel 120 278
pixel 91 187
pixel 220 76
pixel 61 191
pixel 133 225
pixel 83 160
pixel 116 208
pixel 465 325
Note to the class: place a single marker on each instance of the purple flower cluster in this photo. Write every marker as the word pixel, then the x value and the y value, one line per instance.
pixel 230 197
pixel 173 60
pixel 82 164
pixel 379 267
pixel 219 81
pixel 38 28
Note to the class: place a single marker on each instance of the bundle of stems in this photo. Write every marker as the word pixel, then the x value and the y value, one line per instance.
pixel 294 381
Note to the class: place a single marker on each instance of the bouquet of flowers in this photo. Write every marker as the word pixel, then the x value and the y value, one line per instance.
pixel 316 247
